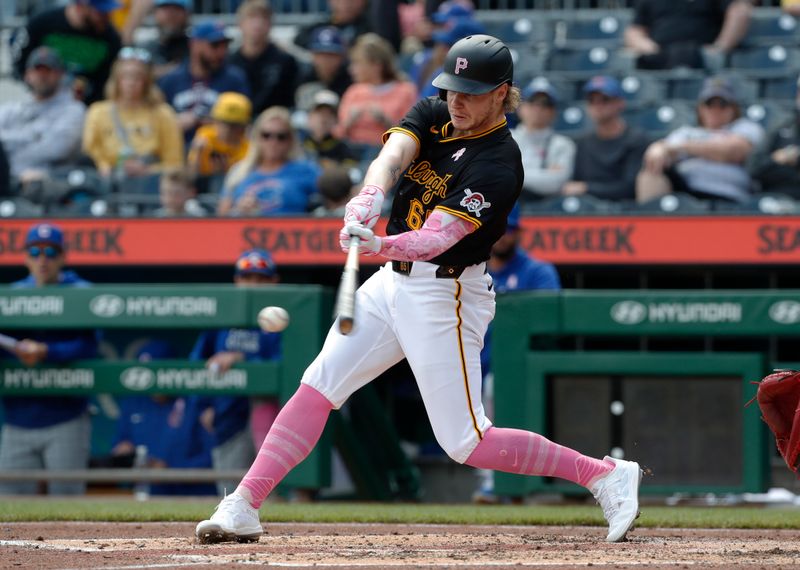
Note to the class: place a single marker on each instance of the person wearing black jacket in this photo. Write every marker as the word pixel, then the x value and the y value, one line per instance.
pixel 82 36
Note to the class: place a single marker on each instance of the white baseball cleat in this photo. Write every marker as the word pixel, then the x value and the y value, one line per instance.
pixel 234 520
pixel 618 495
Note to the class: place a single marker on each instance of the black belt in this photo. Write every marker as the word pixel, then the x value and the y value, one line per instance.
pixel 443 271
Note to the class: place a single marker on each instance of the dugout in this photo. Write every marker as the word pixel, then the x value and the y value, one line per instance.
pixel 180 313
pixel 660 377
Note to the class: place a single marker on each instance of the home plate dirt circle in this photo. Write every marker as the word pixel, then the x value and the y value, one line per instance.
pixel 172 545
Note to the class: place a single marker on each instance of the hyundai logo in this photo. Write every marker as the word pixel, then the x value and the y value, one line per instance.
pixel 137 378
pixel 785 312
pixel 629 312
pixel 107 305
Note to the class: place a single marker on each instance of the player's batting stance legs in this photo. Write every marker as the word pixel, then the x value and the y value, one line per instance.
pixel 456 173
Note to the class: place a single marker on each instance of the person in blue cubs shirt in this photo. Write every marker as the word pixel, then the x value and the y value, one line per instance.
pixel 512 269
pixel 227 417
pixel 192 88
pixel 47 432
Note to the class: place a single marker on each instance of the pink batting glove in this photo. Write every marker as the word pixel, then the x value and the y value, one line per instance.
pixel 365 208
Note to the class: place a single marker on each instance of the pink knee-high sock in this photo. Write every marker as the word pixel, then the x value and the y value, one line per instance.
pixel 290 439
pixel 528 453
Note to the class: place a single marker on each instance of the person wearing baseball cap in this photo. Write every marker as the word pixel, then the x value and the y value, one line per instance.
pixel 194 85
pixel 222 143
pixel 328 69
pixel 44 131
pixel 81 22
pixel 608 158
pixel 707 161
pixel 320 141
pixel 237 427
pixel 548 158
pixel 47 432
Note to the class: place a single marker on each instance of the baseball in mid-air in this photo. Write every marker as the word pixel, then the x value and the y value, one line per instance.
pixel 273 319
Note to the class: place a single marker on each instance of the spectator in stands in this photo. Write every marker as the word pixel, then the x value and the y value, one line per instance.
pixel 235 441
pixel 133 133
pixel 171 47
pixel 272 179
pixel 335 189
pixel 443 38
pixel 512 269
pixel 709 160
pixel 548 158
pixel 664 35
pixel 193 87
pixel 778 166
pixel 379 96
pixel 320 143
pixel 82 36
pixel 45 131
pixel 43 432
pixel 607 159
pixel 168 426
pixel 223 142
pixel 177 193
pixel 419 18
pixel 328 68
pixel 272 73
pixel 354 18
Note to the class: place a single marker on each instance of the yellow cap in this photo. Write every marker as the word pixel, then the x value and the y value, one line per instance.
pixel 232 107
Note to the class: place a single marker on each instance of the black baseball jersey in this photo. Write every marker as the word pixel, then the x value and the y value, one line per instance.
pixel 477 178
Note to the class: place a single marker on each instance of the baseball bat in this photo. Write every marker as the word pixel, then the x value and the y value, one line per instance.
pixel 8 342
pixel 346 297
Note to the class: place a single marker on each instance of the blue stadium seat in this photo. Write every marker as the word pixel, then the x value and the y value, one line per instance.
pixel 772 26
pixel 588 29
pixel 641 89
pixel 768 114
pixel 675 203
pixel 765 61
pixel 688 88
pixel 515 30
pixel 571 119
pixel 660 119
pixel 779 88
pixel 584 62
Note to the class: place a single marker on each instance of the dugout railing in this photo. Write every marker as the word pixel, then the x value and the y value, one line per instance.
pixel 179 312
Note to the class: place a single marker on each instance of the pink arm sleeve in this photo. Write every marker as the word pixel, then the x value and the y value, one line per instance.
pixel 440 232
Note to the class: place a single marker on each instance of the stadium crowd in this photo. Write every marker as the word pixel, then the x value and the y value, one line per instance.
pixel 201 118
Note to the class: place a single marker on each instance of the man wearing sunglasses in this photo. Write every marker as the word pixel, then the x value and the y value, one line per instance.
pixel 47 432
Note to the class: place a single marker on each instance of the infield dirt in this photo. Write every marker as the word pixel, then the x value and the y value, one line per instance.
pixel 172 545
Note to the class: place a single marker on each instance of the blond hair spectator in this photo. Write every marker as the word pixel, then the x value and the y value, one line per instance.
pixel 273 178
pixel 133 132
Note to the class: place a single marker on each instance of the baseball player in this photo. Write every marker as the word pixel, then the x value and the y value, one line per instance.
pixel 456 174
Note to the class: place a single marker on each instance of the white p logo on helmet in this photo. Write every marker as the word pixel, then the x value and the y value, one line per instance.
pixel 461 63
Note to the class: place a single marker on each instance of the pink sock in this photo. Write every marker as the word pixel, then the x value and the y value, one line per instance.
pixel 528 453
pixel 290 439
pixel 262 416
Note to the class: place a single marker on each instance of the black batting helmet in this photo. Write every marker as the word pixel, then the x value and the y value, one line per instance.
pixel 475 65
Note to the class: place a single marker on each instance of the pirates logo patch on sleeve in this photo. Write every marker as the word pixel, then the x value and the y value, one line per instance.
pixel 474 202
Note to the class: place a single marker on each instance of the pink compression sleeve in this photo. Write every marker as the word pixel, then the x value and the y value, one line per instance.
pixel 439 233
